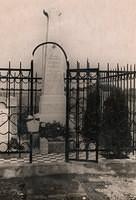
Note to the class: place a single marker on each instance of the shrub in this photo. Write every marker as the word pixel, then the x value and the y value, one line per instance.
pixel 116 132
pixel 14 144
pixel 89 130
pixel 52 130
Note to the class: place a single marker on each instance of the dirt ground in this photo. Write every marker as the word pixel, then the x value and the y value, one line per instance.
pixel 109 187
pixel 64 187
pixel 115 180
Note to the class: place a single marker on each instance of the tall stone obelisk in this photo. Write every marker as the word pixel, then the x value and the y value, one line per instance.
pixel 52 102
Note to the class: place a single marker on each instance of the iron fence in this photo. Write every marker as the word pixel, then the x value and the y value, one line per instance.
pixel 19 96
pixel 101 112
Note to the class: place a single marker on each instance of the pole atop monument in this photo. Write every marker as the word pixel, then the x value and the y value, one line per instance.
pixel 45 50
pixel 47 27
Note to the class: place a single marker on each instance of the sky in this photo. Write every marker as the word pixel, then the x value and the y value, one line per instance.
pixel 101 30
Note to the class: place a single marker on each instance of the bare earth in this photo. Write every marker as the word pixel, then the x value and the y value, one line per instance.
pixel 108 180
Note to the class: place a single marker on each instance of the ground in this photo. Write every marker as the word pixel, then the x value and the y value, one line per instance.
pixel 58 187
pixel 107 180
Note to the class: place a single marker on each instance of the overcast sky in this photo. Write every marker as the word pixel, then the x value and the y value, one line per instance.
pixel 102 30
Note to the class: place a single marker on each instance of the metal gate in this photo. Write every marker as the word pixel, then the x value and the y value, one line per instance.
pixel 19 94
pixel 80 84
pixel 101 112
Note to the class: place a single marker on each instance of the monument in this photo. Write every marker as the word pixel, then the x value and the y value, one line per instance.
pixel 52 102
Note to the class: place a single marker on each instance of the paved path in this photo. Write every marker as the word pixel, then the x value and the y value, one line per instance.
pixel 37 159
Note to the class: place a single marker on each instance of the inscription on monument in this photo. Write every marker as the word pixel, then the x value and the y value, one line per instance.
pixel 53 99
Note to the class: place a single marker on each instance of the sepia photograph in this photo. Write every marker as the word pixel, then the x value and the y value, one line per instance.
pixel 68 100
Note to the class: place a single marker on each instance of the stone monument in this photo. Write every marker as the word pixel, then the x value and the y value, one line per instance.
pixel 52 102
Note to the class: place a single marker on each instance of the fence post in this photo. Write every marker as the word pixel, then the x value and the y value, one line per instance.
pixel 98 114
pixel 67 116
pixel 31 94
pixel 31 148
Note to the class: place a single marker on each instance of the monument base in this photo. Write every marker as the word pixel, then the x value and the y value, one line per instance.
pixel 56 147
pixel 52 108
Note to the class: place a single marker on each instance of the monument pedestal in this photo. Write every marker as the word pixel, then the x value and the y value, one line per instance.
pixel 43 146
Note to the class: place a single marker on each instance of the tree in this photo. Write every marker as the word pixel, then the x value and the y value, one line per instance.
pixel 116 132
pixel 89 130
pixel 21 122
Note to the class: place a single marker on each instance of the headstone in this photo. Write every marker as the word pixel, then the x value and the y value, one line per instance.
pixel 33 128
pixel 52 103
pixel 33 125
pixel 43 146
